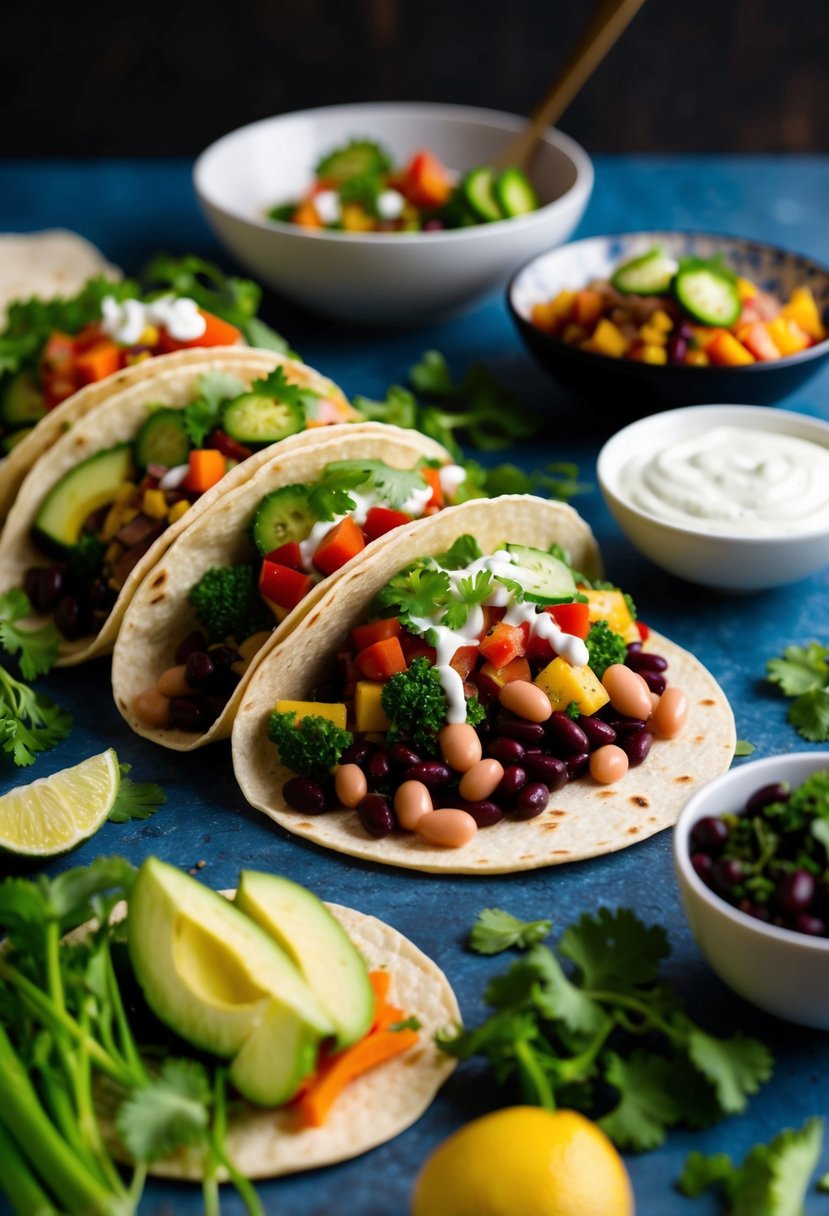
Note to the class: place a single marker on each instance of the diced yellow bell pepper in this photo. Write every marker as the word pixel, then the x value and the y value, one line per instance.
pixel 746 289
pixel 574 334
pixel 661 321
pixel 355 219
pixel 726 351
pixel 696 358
pixel 651 353
pixel 803 310
pixel 177 510
pixel 335 713
pixel 369 714
pixel 651 335
pixel 149 336
pixel 611 606
pixel 563 684
pixel 543 315
pixel 608 339
pixel 563 304
pixel 154 504
pixel 787 335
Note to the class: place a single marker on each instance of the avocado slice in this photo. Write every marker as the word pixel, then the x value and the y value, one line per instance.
pixel 91 484
pixel 319 946
pixel 205 968
pixel 276 1058
pixel 21 402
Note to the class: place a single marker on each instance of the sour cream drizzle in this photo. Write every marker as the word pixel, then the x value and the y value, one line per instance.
pixel 734 480
pixel 446 641
pixel 126 320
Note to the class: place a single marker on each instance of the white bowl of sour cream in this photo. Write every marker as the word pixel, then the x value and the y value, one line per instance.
pixel 730 496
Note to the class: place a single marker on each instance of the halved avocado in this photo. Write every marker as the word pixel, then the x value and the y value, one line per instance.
pixel 205 968
pixel 91 484
pixel 319 946
pixel 276 1058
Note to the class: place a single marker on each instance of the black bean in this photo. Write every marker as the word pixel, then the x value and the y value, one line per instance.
pixel 564 732
pixel 765 796
pixel 530 801
pixel 811 925
pixel 517 728
pixel 51 587
pixel 598 732
pixel 99 595
pixel 643 661
pixel 403 755
pixel 506 751
pixel 194 641
pixel 485 813
pixel 576 765
pixel 31 584
pixel 223 656
pixel 548 769
pixel 726 873
pixel 431 772
pixel 709 835
pixel 655 681
pixel 68 618
pixel 514 779
pixel 357 753
pixel 378 768
pixel 702 864
pixel 376 815
pixel 303 794
pixel 624 725
pixel 198 668
pixel 636 746
pixel 794 893
pixel 758 911
pixel 187 714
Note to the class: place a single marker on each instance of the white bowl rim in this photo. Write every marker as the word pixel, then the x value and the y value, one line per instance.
pixel 690 813
pixel 745 415
pixel 581 188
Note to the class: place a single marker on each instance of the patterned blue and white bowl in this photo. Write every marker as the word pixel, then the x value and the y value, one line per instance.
pixel 625 387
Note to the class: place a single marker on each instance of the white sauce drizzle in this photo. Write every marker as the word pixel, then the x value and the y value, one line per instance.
pixel 452 476
pixel 390 204
pixel 328 207
pixel 126 320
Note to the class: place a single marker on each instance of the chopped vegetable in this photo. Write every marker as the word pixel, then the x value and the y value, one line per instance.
pixel 29 722
pixel 207 467
pixel 309 746
pixel 496 930
pixel 135 800
pixel 803 673
pixel 37 648
pixel 415 703
pixel 604 647
pixel 227 603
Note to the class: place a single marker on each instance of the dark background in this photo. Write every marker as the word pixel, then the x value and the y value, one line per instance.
pixel 149 79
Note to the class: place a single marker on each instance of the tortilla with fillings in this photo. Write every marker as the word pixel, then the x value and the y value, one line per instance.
pixel 584 819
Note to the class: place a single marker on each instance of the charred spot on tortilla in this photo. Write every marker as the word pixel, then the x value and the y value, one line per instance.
pixel 639 800
pixel 682 780
pixel 561 852
pixel 707 701
pixel 548 827
pixel 160 579
pixel 699 738
pixel 633 831
pixel 606 793
pixel 158 599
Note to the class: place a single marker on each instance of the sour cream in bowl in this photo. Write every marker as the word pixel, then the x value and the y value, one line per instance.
pixel 730 496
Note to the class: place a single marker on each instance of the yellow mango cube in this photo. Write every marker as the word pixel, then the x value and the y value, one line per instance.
pixel 611 606
pixel 746 289
pixel 661 321
pixel 335 713
pixel 653 353
pixel 563 683
pixel 543 315
pixel 803 310
pixel 787 335
pixel 154 504
pixel 608 339
pixel 177 510
pixel 369 714
pixel 653 336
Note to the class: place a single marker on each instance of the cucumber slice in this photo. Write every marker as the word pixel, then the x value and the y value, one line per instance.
pixel 545 579
pixel 478 188
pixel 256 419
pixel 91 484
pixel 282 516
pixel 10 441
pixel 163 440
pixel 360 158
pixel 514 193
pixel 708 295
pixel 648 275
pixel 22 402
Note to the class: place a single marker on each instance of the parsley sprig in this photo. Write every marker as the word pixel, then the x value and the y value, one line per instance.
pixel 803 673
pixel 607 1023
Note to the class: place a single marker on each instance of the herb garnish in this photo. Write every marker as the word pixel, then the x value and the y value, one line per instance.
pixel 803 673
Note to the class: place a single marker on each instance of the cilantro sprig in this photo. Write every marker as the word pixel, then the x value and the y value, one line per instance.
pixel 37 648
pixel 29 721
pixel 803 673
pixel 135 799
pixel 496 930
pixel 594 1018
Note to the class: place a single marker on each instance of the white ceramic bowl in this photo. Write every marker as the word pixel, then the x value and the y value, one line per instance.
pixel 729 562
pixel 783 972
pixel 393 278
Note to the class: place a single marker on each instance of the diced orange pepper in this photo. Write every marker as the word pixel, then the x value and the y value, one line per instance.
pixel 696 358
pixel 382 660
pixel 306 215
pixel 376 631
pixel 463 660
pixel 97 362
pixel 725 351
pixel 544 317
pixel 491 679
pixel 344 541
pixel 432 476
pixel 217 332
pixel 207 467
pixel 588 307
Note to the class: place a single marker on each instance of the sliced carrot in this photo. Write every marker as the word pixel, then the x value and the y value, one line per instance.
pixel 97 362
pixel 306 215
pixel 339 545
pixel 207 466
pixel 376 631
pixel 432 476
pixel 380 982
pixel 333 1076
pixel 217 332
pixel 588 307
pixel 381 660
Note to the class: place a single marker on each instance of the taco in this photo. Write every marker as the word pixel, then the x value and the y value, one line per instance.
pixel 64 356
pixel 241 576
pixel 477 662
pixel 47 264
pixel 110 496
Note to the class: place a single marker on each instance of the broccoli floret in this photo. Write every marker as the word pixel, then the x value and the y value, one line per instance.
pixel 416 704
pixel 604 647
pixel 228 604
pixel 310 746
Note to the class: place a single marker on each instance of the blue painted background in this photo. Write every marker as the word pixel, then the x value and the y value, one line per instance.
pixel 133 208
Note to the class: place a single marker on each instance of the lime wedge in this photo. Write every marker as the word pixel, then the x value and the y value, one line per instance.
pixel 55 813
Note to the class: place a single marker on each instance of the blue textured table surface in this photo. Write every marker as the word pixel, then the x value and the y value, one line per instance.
pixel 131 209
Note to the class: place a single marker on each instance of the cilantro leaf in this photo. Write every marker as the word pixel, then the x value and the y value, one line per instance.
pixel 214 388
pixel 416 593
pixel 329 501
pixel 736 1067
pixel 171 1111
pixel 70 896
pixel 496 930
pixel 431 375
pixel 410 1023
pixel 38 648
pixel 29 722
pixel 647 1105
pixel 277 385
pixel 136 800
pixel 399 408
pixel 810 714
pixel 392 486
pixel 615 950
pixel 801 669
pixel 559 999
pixel 463 551
pixel 700 1173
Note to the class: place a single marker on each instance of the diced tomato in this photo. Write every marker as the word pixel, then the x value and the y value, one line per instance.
pixel 463 660
pixel 426 183
pixel 503 644
pixel 376 631
pixel 492 616
pixel 644 631
pixel 416 648
pixel 289 555
pixel 382 660
pixel 56 388
pixel 338 546
pixel 217 333
pixel 96 362
pixel 58 353
pixel 381 520
pixel 438 499
pixel 282 585
pixel 89 336
pixel 572 618
pixel 491 679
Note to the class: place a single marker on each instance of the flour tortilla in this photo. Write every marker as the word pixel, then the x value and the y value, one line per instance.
pixel 582 820
pixel 160 615
pixel 25 454
pixel 47 264
pixel 117 419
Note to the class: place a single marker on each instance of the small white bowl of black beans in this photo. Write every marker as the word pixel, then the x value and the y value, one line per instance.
pixel 753 872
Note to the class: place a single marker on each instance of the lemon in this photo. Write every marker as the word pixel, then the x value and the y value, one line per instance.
pixel 524 1161
pixel 55 813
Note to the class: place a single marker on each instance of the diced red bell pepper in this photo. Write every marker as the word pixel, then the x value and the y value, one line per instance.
pixel 376 631
pixel 572 618
pixel 503 644
pixel 438 499
pixel 282 585
pixel 289 555
pixel 58 353
pixel 426 183
pixel 491 679
pixel 416 648
pixel 224 443
pixel 463 660
pixel 344 541
pixel 380 520
pixel 382 660
pixel 644 631
pixel 492 616
pixel 217 333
